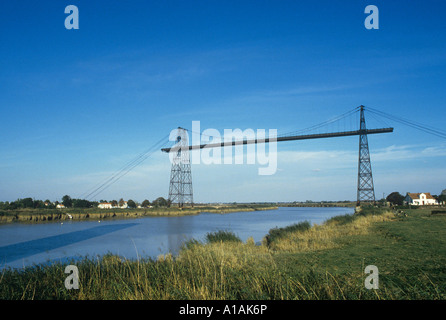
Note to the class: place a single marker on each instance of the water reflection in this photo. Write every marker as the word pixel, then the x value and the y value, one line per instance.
pixel 28 248
pixel 176 233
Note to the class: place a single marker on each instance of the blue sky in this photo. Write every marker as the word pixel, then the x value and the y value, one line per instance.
pixel 77 105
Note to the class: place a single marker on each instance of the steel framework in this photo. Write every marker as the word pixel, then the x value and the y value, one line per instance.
pixel 288 138
pixel 180 189
pixel 366 191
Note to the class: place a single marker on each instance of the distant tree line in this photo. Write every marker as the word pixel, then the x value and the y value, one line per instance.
pixel 26 203
pixel 68 202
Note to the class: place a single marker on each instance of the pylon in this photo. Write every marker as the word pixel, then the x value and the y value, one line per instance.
pixel 366 191
pixel 180 189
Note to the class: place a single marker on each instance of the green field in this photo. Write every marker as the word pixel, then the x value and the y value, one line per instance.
pixel 298 262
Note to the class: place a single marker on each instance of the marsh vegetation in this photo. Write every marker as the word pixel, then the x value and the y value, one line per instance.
pixel 323 261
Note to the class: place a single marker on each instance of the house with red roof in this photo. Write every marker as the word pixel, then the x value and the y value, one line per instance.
pixel 420 199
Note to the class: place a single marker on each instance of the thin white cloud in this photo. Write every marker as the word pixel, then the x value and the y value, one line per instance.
pixel 302 90
pixel 408 152
pixel 390 153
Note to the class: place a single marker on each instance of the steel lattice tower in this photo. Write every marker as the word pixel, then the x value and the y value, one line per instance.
pixel 180 189
pixel 366 191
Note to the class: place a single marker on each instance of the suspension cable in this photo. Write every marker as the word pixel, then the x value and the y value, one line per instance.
pixel 317 126
pixel 410 123
pixel 93 192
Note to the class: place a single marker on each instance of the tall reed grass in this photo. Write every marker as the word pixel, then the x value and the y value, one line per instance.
pixel 326 235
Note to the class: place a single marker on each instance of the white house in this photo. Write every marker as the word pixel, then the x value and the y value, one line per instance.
pixel 105 205
pixel 109 205
pixel 60 206
pixel 420 199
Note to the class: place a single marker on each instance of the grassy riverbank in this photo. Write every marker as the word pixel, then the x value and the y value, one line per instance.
pixel 48 215
pixel 298 262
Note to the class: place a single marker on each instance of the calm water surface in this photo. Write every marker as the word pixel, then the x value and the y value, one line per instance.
pixel 27 244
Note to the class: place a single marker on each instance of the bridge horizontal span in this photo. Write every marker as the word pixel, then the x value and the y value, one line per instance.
pixel 287 138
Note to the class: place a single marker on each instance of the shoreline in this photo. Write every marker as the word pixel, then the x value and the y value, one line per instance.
pixel 60 215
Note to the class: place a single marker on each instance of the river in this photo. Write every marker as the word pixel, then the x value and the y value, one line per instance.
pixel 24 244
